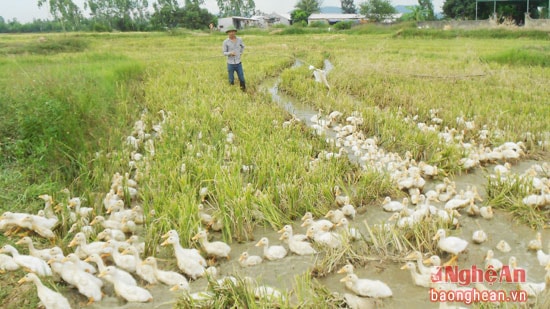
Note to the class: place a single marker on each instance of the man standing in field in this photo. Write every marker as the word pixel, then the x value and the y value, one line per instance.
pixel 233 47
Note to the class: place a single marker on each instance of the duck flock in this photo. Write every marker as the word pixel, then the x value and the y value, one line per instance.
pixel 114 255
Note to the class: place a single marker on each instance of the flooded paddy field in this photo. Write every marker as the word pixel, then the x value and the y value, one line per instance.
pixel 259 160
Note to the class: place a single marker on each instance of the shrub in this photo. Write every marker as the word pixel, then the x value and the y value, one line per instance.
pixel 343 25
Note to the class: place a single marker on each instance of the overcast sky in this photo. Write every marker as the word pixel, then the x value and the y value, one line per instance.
pixel 27 10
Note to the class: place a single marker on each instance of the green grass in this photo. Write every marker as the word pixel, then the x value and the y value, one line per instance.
pixel 43 46
pixel 529 56
pixel 59 110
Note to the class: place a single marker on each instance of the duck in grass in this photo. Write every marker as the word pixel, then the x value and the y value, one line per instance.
pixel 29 262
pixel 49 298
pixel 451 244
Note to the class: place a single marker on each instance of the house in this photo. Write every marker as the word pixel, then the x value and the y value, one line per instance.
pixel 238 22
pixel 278 19
pixel 331 19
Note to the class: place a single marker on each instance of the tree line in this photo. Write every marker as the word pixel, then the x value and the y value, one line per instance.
pixel 135 15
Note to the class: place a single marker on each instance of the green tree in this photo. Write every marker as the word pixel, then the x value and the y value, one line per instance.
pixel 299 17
pixel 165 14
pixel 125 15
pixel 460 9
pixel 422 11
pixel 64 11
pixel 309 6
pixel 348 7
pixel 466 9
pixel 194 17
pixel 427 9
pixel 236 7
pixel 377 10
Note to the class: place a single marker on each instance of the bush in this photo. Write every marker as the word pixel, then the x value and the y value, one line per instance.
pixel 343 25
pixel 318 24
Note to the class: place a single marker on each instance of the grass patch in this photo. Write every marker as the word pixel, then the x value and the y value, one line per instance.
pixel 528 56
pixel 475 33
pixel 57 116
pixel 508 192
pixel 45 46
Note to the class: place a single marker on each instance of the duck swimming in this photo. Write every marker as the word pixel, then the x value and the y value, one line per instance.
pixel 271 252
pixel 367 287
pixel 215 249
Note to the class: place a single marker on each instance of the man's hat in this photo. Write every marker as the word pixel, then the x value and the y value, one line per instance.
pixel 230 28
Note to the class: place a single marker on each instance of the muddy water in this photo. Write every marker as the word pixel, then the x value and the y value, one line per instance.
pixel 281 274
pixel 501 227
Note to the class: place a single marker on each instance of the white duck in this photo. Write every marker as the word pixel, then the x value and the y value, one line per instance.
pixel 7 263
pixel 134 241
pixel 323 224
pixel 486 212
pixel 127 262
pixel 271 252
pixel 184 257
pixel 32 250
pixel 349 210
pixel 191 253
pixel 33 264
pixel 479 236
pixel 368 288
pixel 347 269
pixel 329 239
pixel 108 234
pixel 334 215
pixel 164 276
pixel 246 260
pixel 503 246
pixel 83 249
pixel 296 246
pixel 130 293
pixel 82 265
pixel 49 298
pixel 87 284
pixel 107 224
pixel 340 199
pixel 205 218
pixel 123 275
pixel 215 249
pixel 535 244
pixel 535 289
pixel 423 280
pixel 40 225
pixel 297 237
pixel 144 271
pixel 492 262
pixel 83 212
pixel 422 269
pixel 543 258
pixel 451 244
pixel 392 206
pixel 353 233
